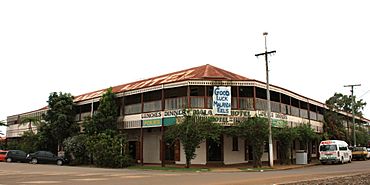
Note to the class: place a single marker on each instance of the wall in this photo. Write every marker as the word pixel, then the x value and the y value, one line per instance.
pixel 152 146
pixel 230 156
pixel 199 159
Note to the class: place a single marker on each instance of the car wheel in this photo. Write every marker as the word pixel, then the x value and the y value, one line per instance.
pixel 59 162
pixel 342 161
pixel 9 160
pixel 350 160
pixel 34 161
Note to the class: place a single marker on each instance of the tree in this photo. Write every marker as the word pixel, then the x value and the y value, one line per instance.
pixel 192 131
pixel 306 135
pixel 76 149
pixel 362 136
pixel 2 123
pixel 29 121
pixel 333 126
pixel 60 117
pixel 285 136
pixel 255 131
pixel 333 122
pixel 344 103
pixel 108 150
pixel 105 117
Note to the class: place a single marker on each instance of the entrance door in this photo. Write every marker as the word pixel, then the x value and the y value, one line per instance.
pixel 215 150
pixel 132 149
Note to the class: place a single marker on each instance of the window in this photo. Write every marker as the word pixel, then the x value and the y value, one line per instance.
pixel 235 144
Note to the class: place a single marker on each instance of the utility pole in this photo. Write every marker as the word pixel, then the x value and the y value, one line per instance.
pixel 353 112
pixel 266 53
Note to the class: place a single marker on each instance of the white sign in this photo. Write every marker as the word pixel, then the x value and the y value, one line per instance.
pixel 222 100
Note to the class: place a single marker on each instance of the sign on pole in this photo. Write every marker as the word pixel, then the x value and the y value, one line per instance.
pixel 222 100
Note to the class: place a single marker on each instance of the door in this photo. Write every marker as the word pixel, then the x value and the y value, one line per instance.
pixel 132 149
pixel 214 150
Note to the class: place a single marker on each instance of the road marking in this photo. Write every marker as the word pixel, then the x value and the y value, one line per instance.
pixel 134 176
pixel 88 174
pixel 91 179
pixel 40 182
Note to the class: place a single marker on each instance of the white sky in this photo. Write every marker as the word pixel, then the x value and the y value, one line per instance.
pixel 82 46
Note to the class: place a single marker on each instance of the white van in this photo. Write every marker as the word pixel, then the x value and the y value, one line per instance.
pixel 334 151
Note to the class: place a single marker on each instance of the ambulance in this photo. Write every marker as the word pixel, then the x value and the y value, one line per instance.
pixel 334 151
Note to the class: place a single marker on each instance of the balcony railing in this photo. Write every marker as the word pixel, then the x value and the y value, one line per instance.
pixel 304 113
pixel 197 102
pixel 152 106
pixel 133 109
pixel 294 111
pixel 175 103
pixel 313 115
pixel 246 103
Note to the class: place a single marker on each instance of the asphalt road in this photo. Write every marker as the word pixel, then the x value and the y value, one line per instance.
pixel 20 173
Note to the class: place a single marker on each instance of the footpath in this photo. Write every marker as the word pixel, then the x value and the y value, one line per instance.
pixel 248 167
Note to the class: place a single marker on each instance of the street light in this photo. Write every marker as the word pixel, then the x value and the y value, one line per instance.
pixel 266 53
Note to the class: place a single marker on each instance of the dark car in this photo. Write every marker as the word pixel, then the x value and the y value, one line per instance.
pixel 45 157
pixel 16 156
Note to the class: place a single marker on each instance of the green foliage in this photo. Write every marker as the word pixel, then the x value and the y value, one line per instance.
pixel 30 121
pixel 362 137
pixel 306 134
pixel 192 131
pixel 2 123
pixel 105 117
pixel 75 149
pixel 333 126
pixel 29 142
pixel 46 140
pixel 60 117
pixel 285 136
pixel 255 131
pixel 344 103
pixel 108 150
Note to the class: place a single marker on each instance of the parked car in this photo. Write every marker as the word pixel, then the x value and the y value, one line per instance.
pixel 2 155
pixel 359 153
pixel 45 157
pixel 16 156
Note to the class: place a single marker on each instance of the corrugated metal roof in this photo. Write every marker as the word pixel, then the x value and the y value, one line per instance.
pixel 205 72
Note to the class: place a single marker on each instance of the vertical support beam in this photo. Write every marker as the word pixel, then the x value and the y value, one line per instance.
pixel 188 100
pixel 163 145
pixel 92 108
pixel 254 98
pixel 237 98
pixel 205 98
pixel 142 132
pixel 280 103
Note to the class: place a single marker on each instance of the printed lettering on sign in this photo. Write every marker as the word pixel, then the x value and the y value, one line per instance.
pixel 222 100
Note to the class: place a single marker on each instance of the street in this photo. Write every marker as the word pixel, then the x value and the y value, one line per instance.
pixel 21 173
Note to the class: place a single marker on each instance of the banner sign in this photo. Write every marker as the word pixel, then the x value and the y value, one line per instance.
pixel 222 100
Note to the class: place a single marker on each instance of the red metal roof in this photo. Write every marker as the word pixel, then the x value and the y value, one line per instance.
pixel 205 72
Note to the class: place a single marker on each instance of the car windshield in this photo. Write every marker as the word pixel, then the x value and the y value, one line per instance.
pixel 324 148
pixel 2 153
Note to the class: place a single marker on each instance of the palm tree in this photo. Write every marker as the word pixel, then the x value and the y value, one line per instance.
pixel 2 123
pixel 30 121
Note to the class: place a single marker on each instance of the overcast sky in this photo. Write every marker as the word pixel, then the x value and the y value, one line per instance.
pixel 82 46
